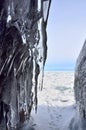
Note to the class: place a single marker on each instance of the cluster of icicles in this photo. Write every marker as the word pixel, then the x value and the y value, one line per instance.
pixel 23 53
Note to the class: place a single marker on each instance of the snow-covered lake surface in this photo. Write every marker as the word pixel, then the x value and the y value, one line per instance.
pixel 56 105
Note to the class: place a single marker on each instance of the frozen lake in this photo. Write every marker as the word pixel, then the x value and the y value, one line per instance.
pixel 56 105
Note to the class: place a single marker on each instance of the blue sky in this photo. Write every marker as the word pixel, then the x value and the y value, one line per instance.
pixel 66 33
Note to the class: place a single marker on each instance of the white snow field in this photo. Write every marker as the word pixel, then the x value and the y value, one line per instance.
pixel 56 105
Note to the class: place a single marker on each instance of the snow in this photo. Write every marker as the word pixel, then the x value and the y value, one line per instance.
pixel 56 104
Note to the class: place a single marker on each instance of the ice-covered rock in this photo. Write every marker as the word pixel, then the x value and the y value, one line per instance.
pixel 23 53
pixel 80 86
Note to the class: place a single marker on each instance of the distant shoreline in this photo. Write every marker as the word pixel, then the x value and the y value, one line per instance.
pixel 59 70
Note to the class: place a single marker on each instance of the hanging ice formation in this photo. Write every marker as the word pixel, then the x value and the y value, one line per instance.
pixel 23 53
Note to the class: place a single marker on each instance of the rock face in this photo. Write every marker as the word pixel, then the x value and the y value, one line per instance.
pixel 80 85
pixel 23 52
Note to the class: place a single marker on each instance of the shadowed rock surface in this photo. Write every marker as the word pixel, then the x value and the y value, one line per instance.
pixel 23 53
